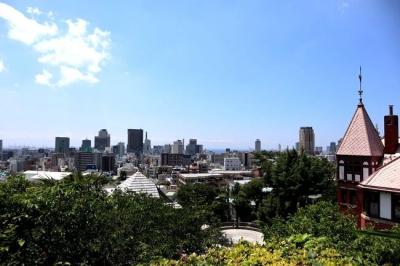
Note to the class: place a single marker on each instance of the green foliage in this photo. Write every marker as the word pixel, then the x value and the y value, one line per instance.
pixel 195 195
pixel 320 220
pixel 287 253
pixel 293 178
pixel 205 199
pixel 332 230
pixel 74 221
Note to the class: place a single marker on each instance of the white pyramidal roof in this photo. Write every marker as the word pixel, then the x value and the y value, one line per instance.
pixel 139 183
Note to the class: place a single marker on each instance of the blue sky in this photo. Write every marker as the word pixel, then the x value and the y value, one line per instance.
pixel 224 72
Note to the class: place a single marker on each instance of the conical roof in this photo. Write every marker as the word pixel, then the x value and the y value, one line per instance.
pixel 361 138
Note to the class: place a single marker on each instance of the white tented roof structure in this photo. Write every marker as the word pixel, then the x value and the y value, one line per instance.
pixel 139 183
pixel 38 175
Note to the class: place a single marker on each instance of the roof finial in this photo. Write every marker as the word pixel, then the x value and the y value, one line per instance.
pixel 360 92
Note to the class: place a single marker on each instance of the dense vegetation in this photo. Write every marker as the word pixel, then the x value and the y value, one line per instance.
pixel 315 235
pixel 75 221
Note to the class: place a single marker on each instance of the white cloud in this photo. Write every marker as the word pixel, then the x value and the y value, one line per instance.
pixel 44 78
pixel 2 66
pixel 24 29
pixel 71 75
pixel 33 11
pixel 70 55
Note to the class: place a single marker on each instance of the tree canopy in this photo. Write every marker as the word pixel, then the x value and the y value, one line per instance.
pixel 75 221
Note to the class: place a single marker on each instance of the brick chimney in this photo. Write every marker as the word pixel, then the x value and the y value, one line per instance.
pixel 391 132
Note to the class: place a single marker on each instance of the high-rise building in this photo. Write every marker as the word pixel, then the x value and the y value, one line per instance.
pixel 157 149
pixel 257 145
pixel 167 148
pixel 86 145
pixel 177 147
pixel 119 149
pixel 102 141
pixel 193 148
pixel 307 140
pixel 147 145
pixel 62 145
pixel 83 160
pixel 108 162
pixel 318 150
pixel 135 141
pixel 175 159
pixel 332 148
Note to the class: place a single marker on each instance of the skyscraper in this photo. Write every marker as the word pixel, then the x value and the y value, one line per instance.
pixel 177 147
pixel 86 145
pixel 102 141
pixel 257 145
pixel 83 160
pixel 147 145
pixel 135 141
pixel 62 145
pixel 307 140
pixel 332 148
pixel 193 148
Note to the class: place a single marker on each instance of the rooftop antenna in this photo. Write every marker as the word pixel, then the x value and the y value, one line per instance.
pixel 360 92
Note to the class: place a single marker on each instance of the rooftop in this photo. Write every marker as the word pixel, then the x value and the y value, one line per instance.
pixel 37 175
pixel 361 137
pixel 386 178
pixel 139 183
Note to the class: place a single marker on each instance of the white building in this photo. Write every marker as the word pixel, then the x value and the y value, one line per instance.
pixel 177 147
pixel 232 164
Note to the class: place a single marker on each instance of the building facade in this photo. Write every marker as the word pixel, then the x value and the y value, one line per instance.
pixel 135 141
pixel 368 171
pixel 232 164
pixel 86 145
pixel 83 160
pixel 172 159
pixel 177 147
pixel 257 145
pixel 102 141
pixel 307 140
pixel 62 145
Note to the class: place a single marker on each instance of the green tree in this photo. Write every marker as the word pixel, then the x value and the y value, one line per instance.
pixel 75 221
pixel 195 195
pixel 293 178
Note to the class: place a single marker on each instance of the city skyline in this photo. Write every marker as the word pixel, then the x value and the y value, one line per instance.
pixel 249 72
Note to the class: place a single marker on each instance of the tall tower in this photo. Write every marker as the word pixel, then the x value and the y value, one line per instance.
pixel 307 140
pixel 135 141
pixel 102 141
pixel 147 145
pixel 359 154
pixel 62 145
pixel 257 145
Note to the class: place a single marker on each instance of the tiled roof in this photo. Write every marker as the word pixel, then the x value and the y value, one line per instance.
pixel 386 178
pixel 140 184
pixel 361 138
